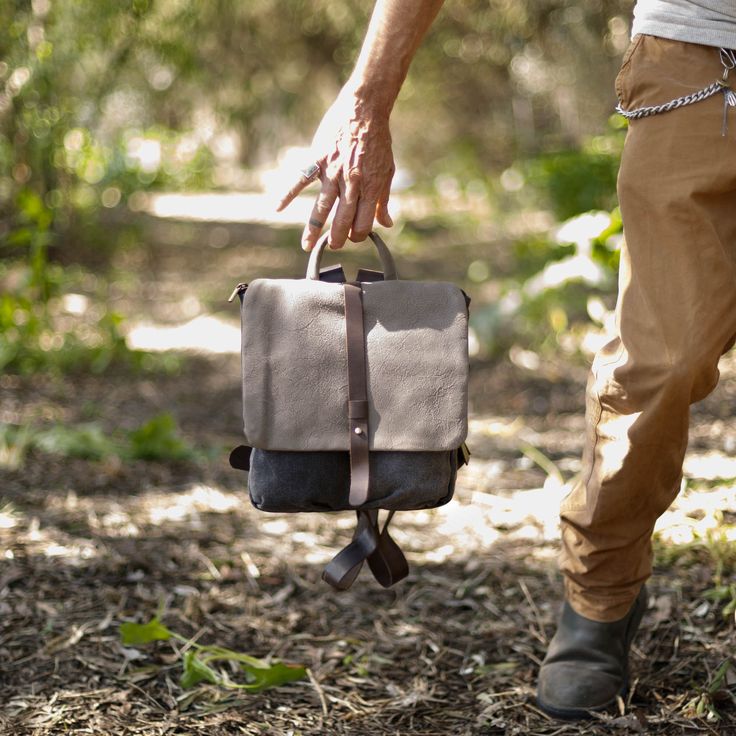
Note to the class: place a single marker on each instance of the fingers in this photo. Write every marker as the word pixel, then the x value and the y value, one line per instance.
pixel 345 214
pixel 370 208
pixel 310 174
pixel 320 213
pixel 363 222
pixel 357 207
pixel 288 198
pixel 382 215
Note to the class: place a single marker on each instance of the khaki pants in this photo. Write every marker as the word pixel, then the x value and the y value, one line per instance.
pixel 676 315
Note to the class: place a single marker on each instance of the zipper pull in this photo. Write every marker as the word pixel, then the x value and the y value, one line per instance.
pixel 237 291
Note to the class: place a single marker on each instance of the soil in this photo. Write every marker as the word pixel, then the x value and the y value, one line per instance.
pixel 453 650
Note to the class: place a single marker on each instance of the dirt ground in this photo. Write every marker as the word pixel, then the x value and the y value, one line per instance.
pixel 453 650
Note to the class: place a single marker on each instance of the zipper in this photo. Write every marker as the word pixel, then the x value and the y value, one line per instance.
pixel 239 290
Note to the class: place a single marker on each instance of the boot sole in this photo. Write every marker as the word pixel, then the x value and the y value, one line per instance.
pixel 579 714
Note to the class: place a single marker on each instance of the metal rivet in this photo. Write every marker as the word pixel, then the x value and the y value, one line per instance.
pixel 358 430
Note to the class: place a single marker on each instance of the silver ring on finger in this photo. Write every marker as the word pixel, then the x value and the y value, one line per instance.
pixel 310 173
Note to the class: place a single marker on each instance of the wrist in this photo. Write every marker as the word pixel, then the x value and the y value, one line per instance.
pixel 373 99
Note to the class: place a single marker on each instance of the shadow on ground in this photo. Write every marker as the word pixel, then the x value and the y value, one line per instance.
pixel 452 650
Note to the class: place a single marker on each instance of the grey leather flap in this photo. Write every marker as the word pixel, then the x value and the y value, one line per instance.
pixel 295 389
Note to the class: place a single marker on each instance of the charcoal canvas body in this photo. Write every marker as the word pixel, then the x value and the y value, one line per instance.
pixel 319 481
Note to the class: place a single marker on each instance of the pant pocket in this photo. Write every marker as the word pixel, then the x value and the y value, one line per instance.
pixel 622 75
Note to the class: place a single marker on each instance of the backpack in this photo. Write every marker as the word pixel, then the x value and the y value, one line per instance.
pixel 354 398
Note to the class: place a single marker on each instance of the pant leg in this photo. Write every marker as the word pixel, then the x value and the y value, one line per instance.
pixel 676 315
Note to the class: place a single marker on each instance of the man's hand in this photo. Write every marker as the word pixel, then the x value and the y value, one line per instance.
pixel 353 143
pixel 352 147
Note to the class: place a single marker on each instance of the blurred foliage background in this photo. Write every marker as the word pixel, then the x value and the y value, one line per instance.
pixel 503 132
pixel 507 151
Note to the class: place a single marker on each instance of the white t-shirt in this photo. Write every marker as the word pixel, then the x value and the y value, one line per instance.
pixel 708 22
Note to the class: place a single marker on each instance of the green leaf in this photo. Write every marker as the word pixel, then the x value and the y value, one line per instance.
pixel 718 680
pixel 196 671
pixel 259 675
pixel 21 236
pixel 136 634
pixel 272 676
pixel 720 593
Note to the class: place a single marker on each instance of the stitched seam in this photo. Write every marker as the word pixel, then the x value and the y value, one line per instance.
pixel 626 61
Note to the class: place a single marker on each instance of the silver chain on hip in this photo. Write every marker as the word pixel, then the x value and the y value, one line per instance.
pixel 728 60
pixel 699 96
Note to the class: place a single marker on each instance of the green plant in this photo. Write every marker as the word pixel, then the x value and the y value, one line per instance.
pixel 86 441
pixel 720 547
pixel 605 245
pixel 540 459
pixel 48 323
pixel 14 444
pixel 722 551
pixel 198 660
pixel 713 547
pixel 158 439
pixel 725 594
pixel 704 704
pixel 579 179
pixel 533 253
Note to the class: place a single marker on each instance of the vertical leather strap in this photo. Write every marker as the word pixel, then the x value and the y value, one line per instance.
pixel 357 395
pixel 385 559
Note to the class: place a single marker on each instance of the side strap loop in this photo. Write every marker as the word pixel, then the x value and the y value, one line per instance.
pixel 388 563
pixel 385 559
pixel 344 567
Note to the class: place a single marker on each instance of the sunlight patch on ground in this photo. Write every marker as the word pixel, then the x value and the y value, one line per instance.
pixel 8 518
pixel 188 506
pixel 117 522
pixel 696 515
pixel 709 466
pixel 229 207
pixel 276 527
pixel 74 551
pixel 491 426
pixel 475 521
pixel 538 507
pixel 47 541
pixel 203 334
pixel 260 207
pixel 484 474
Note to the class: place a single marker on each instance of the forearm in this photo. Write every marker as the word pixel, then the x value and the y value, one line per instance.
pixel 395 32
pixel 352 145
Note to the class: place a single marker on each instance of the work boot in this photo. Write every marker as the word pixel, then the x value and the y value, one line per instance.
pixel 586 666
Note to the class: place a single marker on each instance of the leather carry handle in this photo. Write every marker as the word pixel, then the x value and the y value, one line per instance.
pixel 387 260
